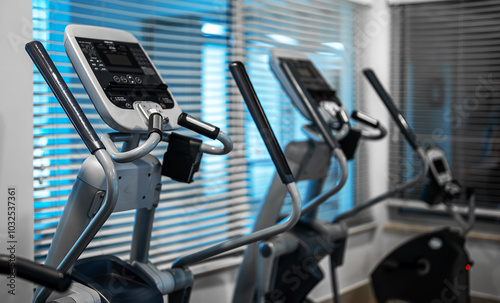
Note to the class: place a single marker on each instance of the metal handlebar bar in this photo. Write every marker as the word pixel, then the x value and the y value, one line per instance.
pixel 255 108
pixel 35 272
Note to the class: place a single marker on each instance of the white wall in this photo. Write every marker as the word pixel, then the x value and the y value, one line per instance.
pixel 16 140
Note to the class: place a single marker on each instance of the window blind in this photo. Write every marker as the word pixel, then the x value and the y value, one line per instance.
pixel 324 29
pixel 445 74
pixel 190 45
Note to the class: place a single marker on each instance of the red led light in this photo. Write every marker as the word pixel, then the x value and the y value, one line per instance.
pixel 467 267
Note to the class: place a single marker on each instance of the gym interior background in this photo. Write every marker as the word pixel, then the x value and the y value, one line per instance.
pixel 440 60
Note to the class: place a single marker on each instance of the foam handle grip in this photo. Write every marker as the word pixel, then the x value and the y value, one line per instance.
pixel 68 102
pixel 395 112
pixel 365 119
pixel 194 124
pixel 255 108
pixel 34 272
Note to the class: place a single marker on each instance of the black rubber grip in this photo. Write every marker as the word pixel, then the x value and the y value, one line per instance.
pixel 196 125
pixel 365 119
pixel 395 112
pixel 34 272
pixel 255 108
pixel 68 102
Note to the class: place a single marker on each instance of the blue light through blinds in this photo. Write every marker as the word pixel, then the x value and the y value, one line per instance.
pixel 325 30
pixel 445 74
pixel 189 44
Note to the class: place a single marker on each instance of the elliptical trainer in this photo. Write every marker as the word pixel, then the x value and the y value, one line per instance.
pixel 436 264
pixel 112 180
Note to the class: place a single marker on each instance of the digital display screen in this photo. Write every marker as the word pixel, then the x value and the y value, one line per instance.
pixel 304 72
pixel 439 165
pixel 119 59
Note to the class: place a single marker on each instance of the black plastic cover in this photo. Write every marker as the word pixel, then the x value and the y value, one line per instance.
pixel 424 269
pixel 182 159
pixel 349 143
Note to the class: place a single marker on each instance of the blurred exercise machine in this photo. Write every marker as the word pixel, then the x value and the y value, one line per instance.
pixel 433 267
pixel 286 267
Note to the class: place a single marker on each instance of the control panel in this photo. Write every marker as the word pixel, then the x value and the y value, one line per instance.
pixel 124 73
pixel 118 76
pixel 301 79
pixel 438 166
pixel 313 82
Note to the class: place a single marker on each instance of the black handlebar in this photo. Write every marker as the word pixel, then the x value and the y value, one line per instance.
pixel 35 272
pixel 395 112
pixel 68 102
pixel 255 108
pixel 365 119
pixel 196 125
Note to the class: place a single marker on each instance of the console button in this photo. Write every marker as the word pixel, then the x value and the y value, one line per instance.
pixel 124 79
pixel 138 80
pixel 116 78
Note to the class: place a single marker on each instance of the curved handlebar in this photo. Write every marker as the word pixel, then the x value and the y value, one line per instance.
pixel 95 224
pixel 365 119
pixel 207 130
pixel 214 150
pixel 195 124
pixel 389 103
pixel 373 123
pixel 35 272
pixel 255 108
pixel 245 86
pixel 251 99
pixel 410 137
pixel 344 172
pixel 68 102
pixel 358 208
pixel 262 234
